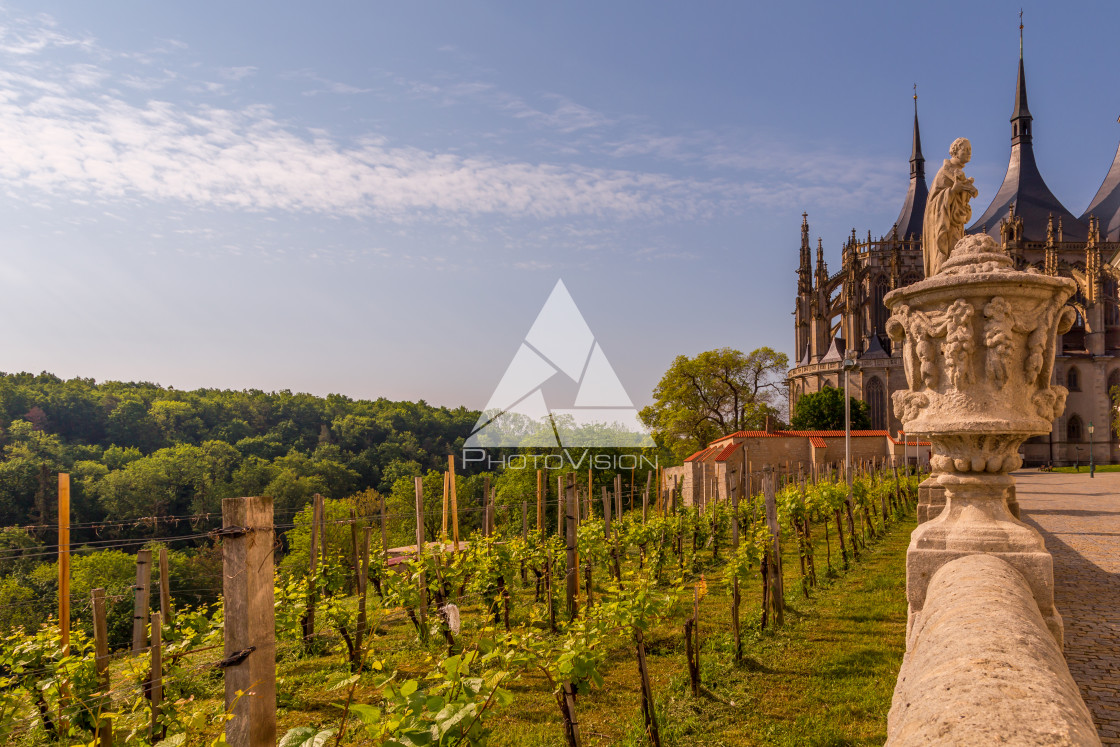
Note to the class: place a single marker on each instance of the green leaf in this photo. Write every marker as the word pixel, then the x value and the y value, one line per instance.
pixel 408 687
pixel 173 741
pixel 503 697
pixel 306 736
pixel 367 713
pixel 345 682
pixel 451 665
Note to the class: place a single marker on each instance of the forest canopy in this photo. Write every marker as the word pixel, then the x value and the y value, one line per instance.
pixel 140 449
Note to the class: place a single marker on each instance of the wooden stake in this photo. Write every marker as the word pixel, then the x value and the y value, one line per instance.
pixel 590 495
pixel 247 559
pixel 571 575
pixel 446 496
pixel 155 675
pixel 524 519
pixel 560 506
pixel 486 506
pixel 64 560
pixel 312 566
pixel 363 585
pixel 647 693
pixel 735 597
pixel 645 497
pixel 164 586
pixel 540 501
pixel 777 593
pixel 454 500
pixel 141 593
pixel 101 653
pixel 419 488
pixel 384 532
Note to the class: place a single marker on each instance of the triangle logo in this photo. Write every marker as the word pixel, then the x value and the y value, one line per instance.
pixel 559 343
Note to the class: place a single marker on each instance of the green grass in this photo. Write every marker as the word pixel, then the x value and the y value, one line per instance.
pixel 1084 468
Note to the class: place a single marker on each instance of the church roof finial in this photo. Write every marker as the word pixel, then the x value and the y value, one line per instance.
pixel 917 161
pixel 1021 118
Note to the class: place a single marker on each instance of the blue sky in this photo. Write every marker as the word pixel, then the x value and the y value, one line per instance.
pixel 376 198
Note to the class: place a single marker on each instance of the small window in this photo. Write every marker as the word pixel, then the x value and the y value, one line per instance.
pixel 1073 380
pixel 1073 430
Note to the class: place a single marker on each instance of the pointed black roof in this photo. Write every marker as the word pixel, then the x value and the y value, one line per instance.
pixel 909 221
pixel 1106 204
pixel 1023 185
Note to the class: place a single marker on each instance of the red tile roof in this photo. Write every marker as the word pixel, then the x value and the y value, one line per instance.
pixel 818 442
pixel 726 453
pixel 699 456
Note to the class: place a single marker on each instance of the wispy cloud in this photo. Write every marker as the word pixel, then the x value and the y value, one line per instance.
pixel 87 129
pixel 66 131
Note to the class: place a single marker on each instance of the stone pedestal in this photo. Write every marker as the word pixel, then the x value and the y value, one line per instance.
pixel 978 342
pixel 931 499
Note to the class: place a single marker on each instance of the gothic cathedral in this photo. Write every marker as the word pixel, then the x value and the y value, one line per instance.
pixel 843 313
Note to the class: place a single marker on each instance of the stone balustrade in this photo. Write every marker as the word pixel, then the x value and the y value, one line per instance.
pixel 983 668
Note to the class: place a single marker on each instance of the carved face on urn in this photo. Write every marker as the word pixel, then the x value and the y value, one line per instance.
pixel 978 344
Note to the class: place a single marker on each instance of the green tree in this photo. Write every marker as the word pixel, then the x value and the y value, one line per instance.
pixel 713 394
pixel 824 411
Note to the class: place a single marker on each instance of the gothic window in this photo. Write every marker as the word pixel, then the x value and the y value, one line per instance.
pixel 878 309
pixel 910 277
pixel 877 403
pixel 1073 380
pixel 1073 429
pixel 1111 311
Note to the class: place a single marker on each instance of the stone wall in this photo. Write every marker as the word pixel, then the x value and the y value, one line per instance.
pixel 982 666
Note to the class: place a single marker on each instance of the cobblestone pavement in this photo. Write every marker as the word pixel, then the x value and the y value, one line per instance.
pixel 1080 519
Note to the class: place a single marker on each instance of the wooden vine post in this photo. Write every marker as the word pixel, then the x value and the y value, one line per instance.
pixel 486 506
pixel 63 585
pixel 774 549
pixel 155 676
pixel 560 507
pixel 140 600
pixel 735 487
pixel 312 566
pixel 250 643
pixel 540 501
pixel 645 497
pixel 64 561
pixel 363 585
pixel 454 500
pixel 104 732
pixel 446 496
pixel 571 574
pixel 692 642
pixel 648 711
pixel 164 586
pixel 422 582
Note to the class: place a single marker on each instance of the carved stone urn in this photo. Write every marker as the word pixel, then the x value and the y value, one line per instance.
pixel 978 342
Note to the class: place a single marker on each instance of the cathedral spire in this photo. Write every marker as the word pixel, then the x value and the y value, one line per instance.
pixel 908 226
pixel 1021 118
pixel 1023 184
pixel 805 270
pixel 917 161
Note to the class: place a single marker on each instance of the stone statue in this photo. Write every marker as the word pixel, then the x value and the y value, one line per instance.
pixel 947 209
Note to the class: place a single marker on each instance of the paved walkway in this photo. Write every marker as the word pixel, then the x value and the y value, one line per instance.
pixel 1080 520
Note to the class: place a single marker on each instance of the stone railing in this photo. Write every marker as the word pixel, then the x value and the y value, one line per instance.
pixel 983 662
pixel 982 667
